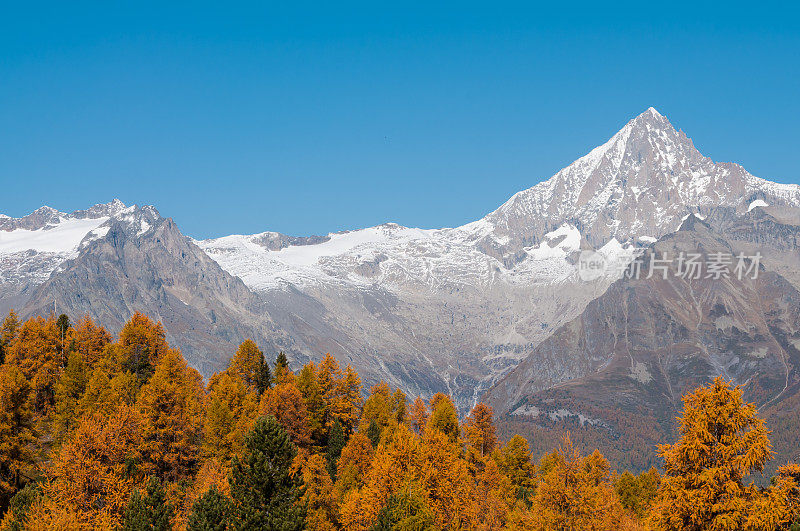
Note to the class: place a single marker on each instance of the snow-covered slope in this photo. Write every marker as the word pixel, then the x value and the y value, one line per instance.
pixel 395 257
pixel 62 237
pixel 32 247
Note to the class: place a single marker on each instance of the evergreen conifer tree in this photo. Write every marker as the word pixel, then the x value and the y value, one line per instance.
pixel 336 442
pixel 20 506
pixel 374 433
pixel 211 512
pixel 63 325
pixel 264 490
pixel 150 511
pixel 281 361
pixel 264 380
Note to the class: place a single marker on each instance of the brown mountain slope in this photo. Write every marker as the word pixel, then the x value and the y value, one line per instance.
pixel 615 375
pixel 143 263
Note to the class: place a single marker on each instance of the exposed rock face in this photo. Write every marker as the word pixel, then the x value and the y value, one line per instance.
pixel 618 371
pixel 139 261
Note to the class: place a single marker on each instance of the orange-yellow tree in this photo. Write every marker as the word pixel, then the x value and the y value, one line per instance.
pixel 495 498
pixel 354 463
pixel 285 402
pixel 35 351
pixel 480 436
pixel 8 332
pixel 89 477
pixel 143 343
pixel 419 414
pixel 249 364
pixel 721 442
pixel 230 411
pixel 170 406
pixel 349 401
pixel 16 430
pixel 514 461
pixel 575 492
pixel 396 462
pixel 90 340
pixel 319 496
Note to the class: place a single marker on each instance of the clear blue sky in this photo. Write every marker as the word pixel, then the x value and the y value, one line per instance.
pixel 307 118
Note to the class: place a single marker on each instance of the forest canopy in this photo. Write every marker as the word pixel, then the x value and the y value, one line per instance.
pixel 123 434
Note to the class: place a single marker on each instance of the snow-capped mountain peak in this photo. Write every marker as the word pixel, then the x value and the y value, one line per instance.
pixel 639 183
pixel 33 246
pixel 652 111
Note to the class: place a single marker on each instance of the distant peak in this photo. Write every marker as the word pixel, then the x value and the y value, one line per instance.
pixel 650 116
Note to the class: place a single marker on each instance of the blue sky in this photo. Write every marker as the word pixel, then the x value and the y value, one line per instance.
pixel 307 118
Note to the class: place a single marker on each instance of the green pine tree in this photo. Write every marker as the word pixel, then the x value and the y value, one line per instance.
pixel 62 324
pixel 264 380
pixel 264 491
pixel 374 433
pixel 281 361
pixel 211 512
pixel 21 503
pixel 336 442
pixel 150 511
pixel 405 511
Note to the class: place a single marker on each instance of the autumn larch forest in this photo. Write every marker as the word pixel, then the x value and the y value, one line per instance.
pixel 97 433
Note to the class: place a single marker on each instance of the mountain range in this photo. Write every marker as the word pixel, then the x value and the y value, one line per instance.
pixel 493 308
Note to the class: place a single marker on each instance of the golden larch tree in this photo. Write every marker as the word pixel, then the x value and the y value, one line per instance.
pixel 396 463
pixel 721 441
pixel 319 496
pixel 354 463
pixel 444 418
pixel 90 340
pixel 16 430
pixel 514 461
pixel 248 364
pixel 285 402
pixel 575 492
pixel 35 351
pixel 8 333
pixel 170 405
pixel 90 477
pixel 349 401
pixel 230 411
pixel 419 414
pixel 142 343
